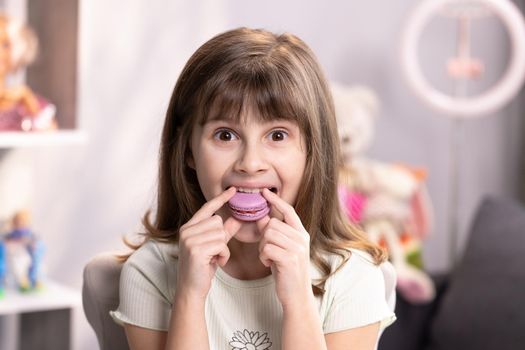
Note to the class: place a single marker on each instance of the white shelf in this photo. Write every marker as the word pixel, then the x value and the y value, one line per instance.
pixel 11 139
pixel 53 296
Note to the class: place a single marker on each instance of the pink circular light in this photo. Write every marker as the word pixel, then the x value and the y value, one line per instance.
pixel 474 106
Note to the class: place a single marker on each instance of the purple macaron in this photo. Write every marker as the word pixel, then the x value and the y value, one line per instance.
pixel 248 206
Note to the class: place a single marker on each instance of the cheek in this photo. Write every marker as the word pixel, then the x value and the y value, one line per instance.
pixel 292 169
pixel 211 167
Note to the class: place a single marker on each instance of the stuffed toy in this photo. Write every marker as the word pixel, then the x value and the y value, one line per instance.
pixel 2 269
pixel 23 254
pixel 389 201
pixel 20 108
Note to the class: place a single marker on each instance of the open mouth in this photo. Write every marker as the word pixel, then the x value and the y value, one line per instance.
pixel 255 190
pixel 248 204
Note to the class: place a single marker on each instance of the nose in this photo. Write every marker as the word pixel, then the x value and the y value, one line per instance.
pixel 251 160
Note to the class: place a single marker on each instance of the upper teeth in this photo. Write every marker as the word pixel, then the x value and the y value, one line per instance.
pixel 249 190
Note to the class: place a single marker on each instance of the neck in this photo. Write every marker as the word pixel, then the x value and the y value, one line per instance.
pixel 244 262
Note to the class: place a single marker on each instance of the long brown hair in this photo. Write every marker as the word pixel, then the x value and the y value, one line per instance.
pixel 279 77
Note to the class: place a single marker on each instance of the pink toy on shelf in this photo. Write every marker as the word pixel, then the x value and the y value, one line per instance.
pixel 20 108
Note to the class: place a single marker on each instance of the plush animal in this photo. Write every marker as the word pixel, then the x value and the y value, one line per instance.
pixel 389 201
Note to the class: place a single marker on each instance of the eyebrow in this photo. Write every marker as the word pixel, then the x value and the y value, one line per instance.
pixel 290 124
pixel 233 121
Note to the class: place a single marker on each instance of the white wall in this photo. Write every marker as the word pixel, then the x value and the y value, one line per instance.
pixel 88 196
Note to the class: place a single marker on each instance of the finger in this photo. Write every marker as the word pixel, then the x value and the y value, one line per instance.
pixel 213 222
pixel 277 238
pixel 206 236
pixel 210 207
pixel 231 226
pixel 223 256
pixel 206 250
pixel 299 236
pixel 215 250
pixel 290 216
pixel 222 260
pixel 262 223
pixel 272 254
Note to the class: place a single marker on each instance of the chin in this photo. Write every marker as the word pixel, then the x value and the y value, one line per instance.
pixel 248 233
pixel 248 240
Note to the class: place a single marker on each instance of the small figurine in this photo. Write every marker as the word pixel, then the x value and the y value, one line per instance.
pixel 20 108
pixel 24 253
pixel 2 269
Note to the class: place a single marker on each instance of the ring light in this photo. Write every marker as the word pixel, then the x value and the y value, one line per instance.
pixel 497 95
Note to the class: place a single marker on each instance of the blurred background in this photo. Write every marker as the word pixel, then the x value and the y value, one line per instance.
pixel 86 192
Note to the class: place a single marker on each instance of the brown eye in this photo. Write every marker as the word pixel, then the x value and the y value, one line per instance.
pixel 224 135
pixel 278 135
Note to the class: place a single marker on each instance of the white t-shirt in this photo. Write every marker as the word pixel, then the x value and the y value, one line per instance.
pixel 242 312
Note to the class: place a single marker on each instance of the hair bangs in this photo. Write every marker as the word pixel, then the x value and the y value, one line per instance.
pixel 261 92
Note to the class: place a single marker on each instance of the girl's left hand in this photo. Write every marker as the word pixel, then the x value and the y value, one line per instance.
pixel 285 246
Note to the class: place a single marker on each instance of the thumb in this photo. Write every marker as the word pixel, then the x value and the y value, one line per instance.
pixel 261 224
pixel 231 226
pixel 223 257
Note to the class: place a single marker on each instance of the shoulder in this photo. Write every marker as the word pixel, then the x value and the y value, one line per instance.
pixel 359 272
pixel 154 262
pixel 147 284
pixel 357 294
pixel 358 260
pixel 153 251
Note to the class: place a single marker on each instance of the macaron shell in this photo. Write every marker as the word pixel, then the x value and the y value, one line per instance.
pixel 241 203
pixel 249 216
pixel 248 201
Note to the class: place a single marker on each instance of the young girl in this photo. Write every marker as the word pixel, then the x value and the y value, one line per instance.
pixel 251 122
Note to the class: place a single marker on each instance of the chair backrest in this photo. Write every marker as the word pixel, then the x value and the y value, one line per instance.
pixel 100 294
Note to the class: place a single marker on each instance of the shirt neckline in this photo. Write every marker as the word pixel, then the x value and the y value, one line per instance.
pixel 237 283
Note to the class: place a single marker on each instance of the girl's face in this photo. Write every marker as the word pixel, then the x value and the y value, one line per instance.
pixel 248 154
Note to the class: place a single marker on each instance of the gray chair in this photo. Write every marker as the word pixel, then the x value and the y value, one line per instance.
pixel 100 294
pixel 480 303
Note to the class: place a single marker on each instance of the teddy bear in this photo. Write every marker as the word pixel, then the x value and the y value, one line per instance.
pixel 389 201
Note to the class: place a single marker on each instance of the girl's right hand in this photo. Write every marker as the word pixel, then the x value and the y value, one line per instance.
pixel 202 244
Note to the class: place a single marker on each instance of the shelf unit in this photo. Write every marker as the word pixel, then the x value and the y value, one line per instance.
pixel 42 320
pixel 35 139
pixel 53 75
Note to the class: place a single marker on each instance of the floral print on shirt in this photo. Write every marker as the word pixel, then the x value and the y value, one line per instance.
pixel 250 341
